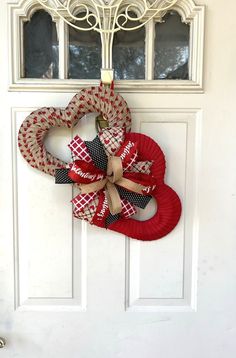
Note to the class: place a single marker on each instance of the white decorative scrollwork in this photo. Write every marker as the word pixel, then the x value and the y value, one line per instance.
pixel 107 17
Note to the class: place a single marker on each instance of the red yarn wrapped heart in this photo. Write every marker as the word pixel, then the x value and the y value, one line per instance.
pixel 169 205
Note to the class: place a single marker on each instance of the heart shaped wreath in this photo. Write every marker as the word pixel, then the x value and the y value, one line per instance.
pixel 115 172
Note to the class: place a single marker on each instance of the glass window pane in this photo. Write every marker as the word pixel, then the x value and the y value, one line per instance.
pixel 129 53
pixel 171 48
pixel 85 59
pixel 40 47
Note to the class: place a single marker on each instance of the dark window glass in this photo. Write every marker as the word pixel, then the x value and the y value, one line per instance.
pixel 129 53
pixel 171 48
pixel 40 47
pixel 85 60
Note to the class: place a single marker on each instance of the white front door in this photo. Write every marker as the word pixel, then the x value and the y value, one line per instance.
pixel 72 290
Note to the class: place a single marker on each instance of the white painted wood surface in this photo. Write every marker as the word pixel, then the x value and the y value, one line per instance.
pixel 71 290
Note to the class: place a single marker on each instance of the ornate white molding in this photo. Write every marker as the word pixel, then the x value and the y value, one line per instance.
pixel 195 16
pixel 25 9
pixel 20 11
pixel 187 9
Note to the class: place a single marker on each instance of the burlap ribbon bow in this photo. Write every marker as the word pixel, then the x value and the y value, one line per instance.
pixel 114 177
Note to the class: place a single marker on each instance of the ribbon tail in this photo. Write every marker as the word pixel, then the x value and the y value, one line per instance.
pixel 131 185
pixel 136 199
pixel 61 176
pixel 111 219
pixel 113 198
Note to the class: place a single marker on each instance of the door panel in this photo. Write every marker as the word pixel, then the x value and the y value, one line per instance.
pixel 162 275
pixel 49 244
